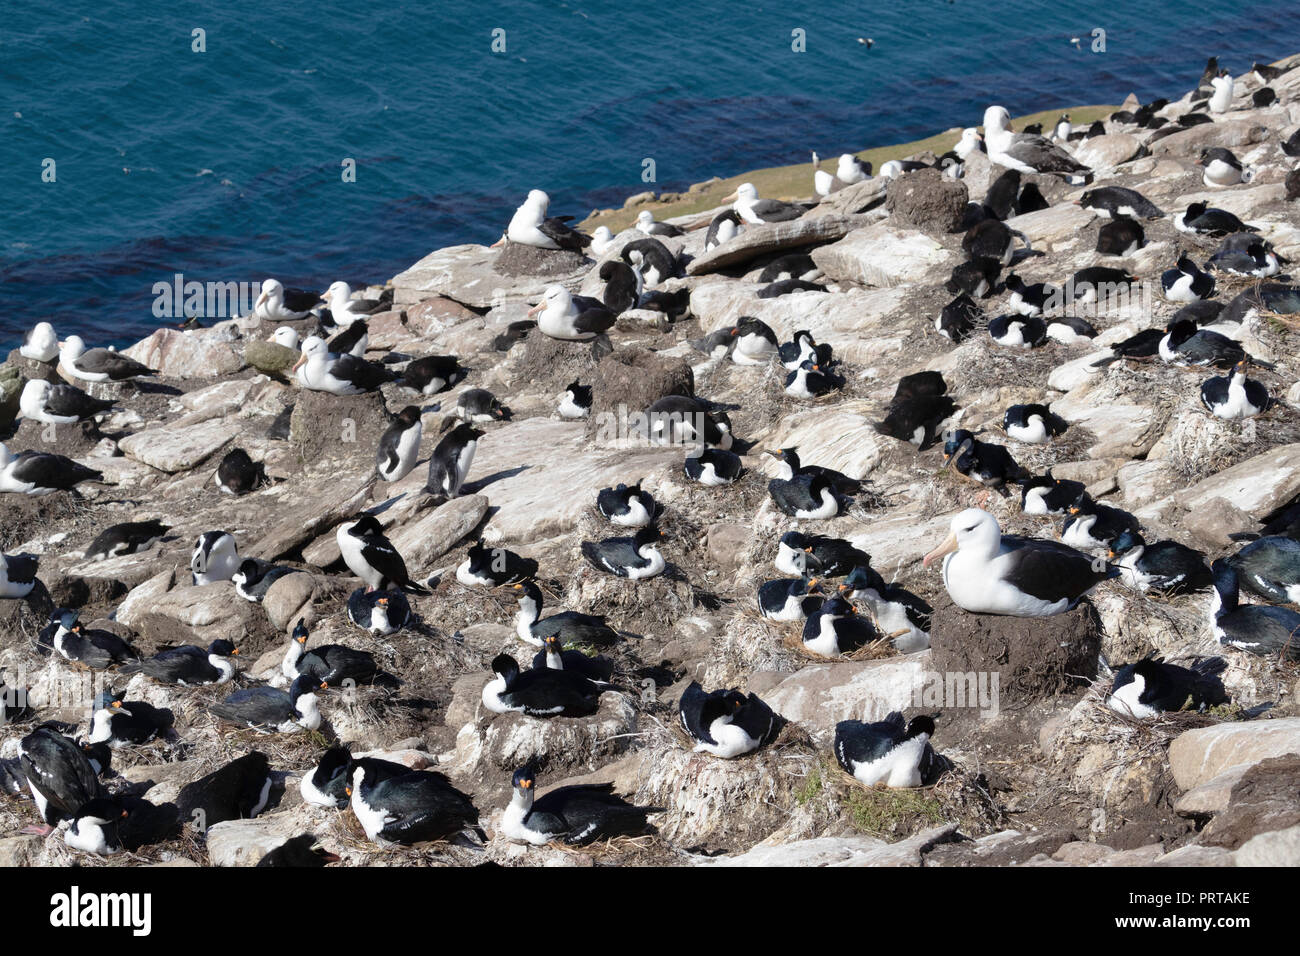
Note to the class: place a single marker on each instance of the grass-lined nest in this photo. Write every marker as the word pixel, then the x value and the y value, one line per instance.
pixel 839 801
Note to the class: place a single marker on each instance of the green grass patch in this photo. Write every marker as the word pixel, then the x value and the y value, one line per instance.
pixel 812 786
pixel 889 812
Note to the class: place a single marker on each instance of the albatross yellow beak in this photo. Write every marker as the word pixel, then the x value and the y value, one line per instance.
pixel 949 545
pixel 537 308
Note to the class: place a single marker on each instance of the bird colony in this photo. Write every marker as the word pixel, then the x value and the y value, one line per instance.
pixel 946 514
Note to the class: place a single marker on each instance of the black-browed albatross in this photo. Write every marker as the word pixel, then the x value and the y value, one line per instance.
pixel 987 572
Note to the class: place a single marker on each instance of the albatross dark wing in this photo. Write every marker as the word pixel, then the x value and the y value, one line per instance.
pixel 564 236
pixel 1050 571
pixel 113 364
pixel 773 210
pixel 366 376
pixel 51 471
pixel 300 300
pixel 1044 155
pixel 70 400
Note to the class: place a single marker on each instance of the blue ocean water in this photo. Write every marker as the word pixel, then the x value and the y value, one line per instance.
pixel 225 165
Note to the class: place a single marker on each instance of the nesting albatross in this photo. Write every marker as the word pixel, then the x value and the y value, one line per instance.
pixel 531 226
pixel 98 365
pixel 987 572
pixel 755 210
pixel 1027 152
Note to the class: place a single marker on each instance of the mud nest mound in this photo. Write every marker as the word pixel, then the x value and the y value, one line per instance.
pixel 517 259
pixel 1034 657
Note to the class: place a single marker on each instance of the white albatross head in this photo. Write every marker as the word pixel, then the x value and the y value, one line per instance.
pixel 286 336
pixel 848 170
pixel 973 529
pixel 337 296
pixel 526 219
pixel 556 300
pixel 41 343
pixel 996 120
pixel 746 194
pixel 969 142
pixel 72 349
pixel 32 401
pixel 313 349
pixel 270 291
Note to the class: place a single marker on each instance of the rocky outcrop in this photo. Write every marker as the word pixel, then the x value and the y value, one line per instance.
pixel 469 275
pixel 1204 754
pixel 882 255
pixel 181 446
pixel 271 358
pixel 770 238
pixel 191 354
pixel 629 382
pixel 927 200
pixel 332 426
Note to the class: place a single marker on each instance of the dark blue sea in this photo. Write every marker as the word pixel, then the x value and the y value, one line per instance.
pixel 226 165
